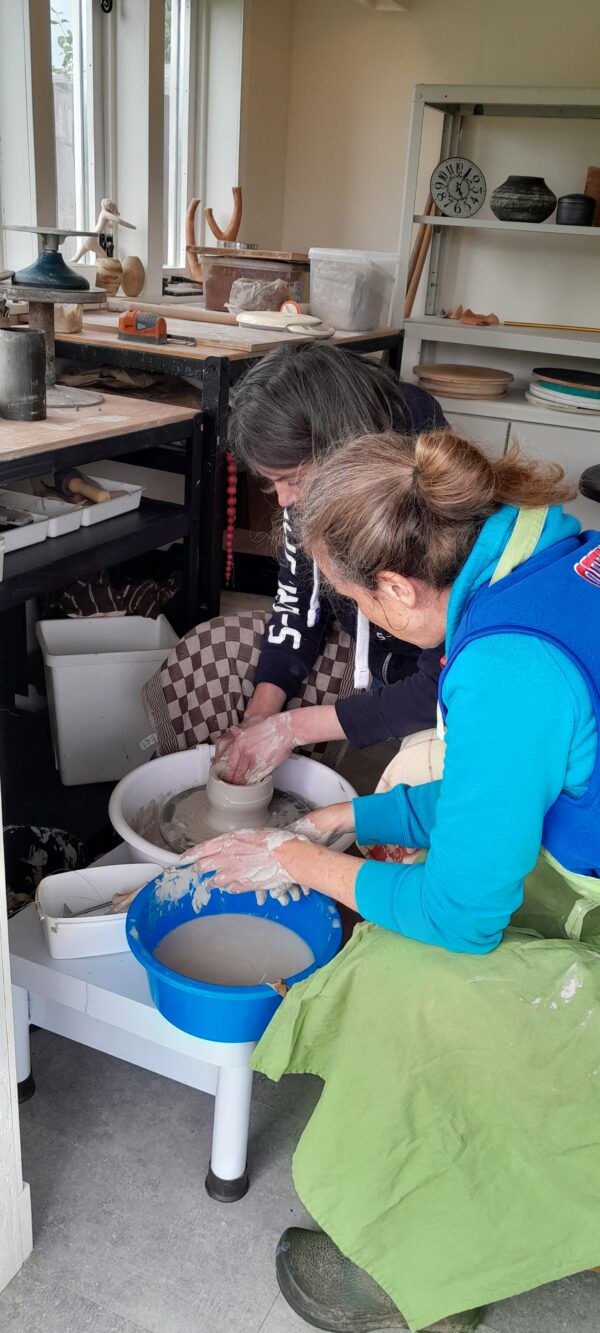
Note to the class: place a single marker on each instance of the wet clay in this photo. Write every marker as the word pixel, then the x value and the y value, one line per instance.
pixel 234 950
pixel 188 818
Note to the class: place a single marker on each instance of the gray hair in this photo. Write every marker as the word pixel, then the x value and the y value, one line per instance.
pixel 304 399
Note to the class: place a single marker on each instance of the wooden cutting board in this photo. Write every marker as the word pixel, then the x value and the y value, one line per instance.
pixel 443 391
pixel 448 373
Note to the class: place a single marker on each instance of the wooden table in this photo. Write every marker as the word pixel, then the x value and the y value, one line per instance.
pixel 222 354
pixel 118 427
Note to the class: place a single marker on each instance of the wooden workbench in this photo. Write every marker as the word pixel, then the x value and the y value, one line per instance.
pixel 233 341
pixel 117 428
pixel 65 428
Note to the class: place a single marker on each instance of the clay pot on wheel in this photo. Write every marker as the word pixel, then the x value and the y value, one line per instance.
pixel 523 199
pixel 232 807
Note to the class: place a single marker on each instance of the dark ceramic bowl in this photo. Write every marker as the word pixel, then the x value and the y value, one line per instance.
pixel 575 210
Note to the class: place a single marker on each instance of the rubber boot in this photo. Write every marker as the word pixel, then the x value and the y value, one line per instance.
pixel 328 1291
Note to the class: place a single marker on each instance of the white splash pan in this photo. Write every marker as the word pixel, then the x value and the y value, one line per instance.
pixel 87 936
pixel 160 778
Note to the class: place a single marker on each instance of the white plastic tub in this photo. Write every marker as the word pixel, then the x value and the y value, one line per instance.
pixel 145 790
pixel 60 516
pixel 15 539
pixel 352 289
pixel 95 670
pixel 87 936
pixel 127 497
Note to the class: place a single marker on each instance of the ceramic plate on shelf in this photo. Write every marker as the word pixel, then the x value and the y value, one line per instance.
pixel 544 389
pixel 560 407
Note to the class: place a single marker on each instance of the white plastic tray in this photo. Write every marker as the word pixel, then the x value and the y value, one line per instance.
pixel 16 538
pixel 122 504
pixel 88 936
pixel 61 516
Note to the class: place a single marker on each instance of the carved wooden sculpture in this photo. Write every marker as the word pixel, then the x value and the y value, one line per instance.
pixel 193 263
pixel 228 233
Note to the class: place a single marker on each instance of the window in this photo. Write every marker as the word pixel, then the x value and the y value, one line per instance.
pixel 180 41
pixel 72 26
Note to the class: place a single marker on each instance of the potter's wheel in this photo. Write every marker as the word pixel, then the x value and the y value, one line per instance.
pixel 185 818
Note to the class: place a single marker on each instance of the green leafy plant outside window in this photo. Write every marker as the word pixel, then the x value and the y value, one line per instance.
pixel 64 40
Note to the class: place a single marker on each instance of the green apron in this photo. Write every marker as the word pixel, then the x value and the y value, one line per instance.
pixel 455 1150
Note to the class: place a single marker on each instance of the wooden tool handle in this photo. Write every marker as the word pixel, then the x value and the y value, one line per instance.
pixel 89 489
pixel 417 272
pixel 414 254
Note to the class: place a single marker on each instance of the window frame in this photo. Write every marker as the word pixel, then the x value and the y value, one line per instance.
pixel 88 113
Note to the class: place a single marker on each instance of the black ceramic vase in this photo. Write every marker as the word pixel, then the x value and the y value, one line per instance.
pixel 523 199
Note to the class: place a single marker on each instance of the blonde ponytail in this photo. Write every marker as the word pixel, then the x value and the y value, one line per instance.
pixel 416 506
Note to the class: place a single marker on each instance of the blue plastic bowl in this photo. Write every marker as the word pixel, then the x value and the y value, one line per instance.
pixel 224 1013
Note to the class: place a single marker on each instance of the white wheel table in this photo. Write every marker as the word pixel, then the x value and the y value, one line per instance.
pixel 105 1003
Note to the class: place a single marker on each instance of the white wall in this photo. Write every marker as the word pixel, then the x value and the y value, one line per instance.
pixel 350 79
pixel 264 129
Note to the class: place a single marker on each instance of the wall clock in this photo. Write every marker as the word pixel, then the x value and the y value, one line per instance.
pixel 458 187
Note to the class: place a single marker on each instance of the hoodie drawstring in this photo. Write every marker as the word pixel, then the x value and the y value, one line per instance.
pixel 314 608
pixel 362 674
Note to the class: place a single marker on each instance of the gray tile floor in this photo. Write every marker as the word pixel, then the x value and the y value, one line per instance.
pixel 126 1238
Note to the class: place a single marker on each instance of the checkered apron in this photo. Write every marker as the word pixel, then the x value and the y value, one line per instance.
pixel 207 682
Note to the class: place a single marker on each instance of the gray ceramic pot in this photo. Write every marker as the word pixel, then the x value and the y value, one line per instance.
pixel 523 199
pixel 575 210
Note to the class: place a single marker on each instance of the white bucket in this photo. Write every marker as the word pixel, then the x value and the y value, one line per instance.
pixel 178 772
pixel 96 668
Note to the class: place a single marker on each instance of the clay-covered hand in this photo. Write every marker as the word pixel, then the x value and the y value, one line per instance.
pixel 247 753
pixel 325 826
pixel 246 860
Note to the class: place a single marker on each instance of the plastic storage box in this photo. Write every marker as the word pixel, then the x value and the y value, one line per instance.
pixel 16 538
pixel 60 516
pixel 219 272
pixel 95 671
pixel 125 497
pixel 81 890
pixel 352 289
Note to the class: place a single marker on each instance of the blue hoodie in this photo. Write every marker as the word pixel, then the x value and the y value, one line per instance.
pixel 520 730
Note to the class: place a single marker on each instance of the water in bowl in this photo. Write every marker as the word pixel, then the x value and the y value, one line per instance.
pixel 234 950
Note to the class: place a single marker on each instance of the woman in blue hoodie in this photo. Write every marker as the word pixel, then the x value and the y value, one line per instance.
pixel 454 1156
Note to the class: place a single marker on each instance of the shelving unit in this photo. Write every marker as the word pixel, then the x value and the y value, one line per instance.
pixel 515 407
pixel 30 573
pixel 430 328
pixel 494 224
pixel 571 438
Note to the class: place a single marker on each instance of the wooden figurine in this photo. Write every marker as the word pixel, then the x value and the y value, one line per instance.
pixel 107 221
pixel 134 275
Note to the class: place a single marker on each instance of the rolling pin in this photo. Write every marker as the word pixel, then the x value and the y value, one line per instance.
pixel 74 487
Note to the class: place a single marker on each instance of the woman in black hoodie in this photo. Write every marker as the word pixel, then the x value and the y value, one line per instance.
pixel 260 690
